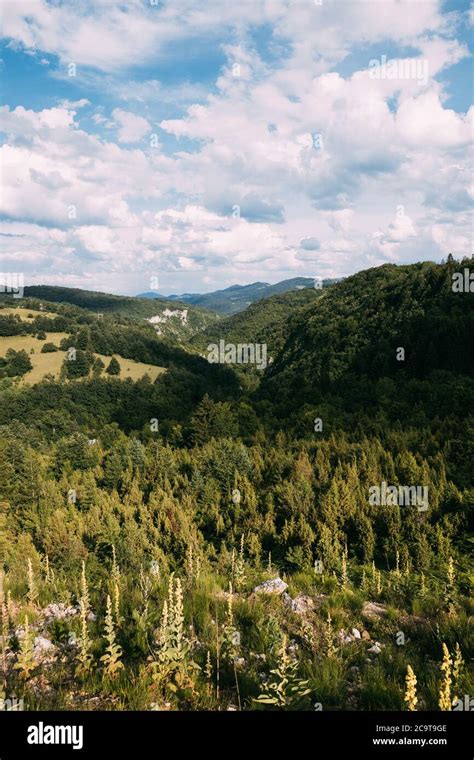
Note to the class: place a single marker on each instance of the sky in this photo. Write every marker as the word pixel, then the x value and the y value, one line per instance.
pixel 188 145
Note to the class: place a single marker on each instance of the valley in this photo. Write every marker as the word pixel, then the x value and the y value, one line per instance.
pixel 181 535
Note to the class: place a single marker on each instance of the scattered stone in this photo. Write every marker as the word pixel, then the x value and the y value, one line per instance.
pixel 59 611
pixel 348 639
pixel 409 620
pixel 72 639
pixel 356 633
pixel 376 648
pixel 273 586
pixel 300 605
pixel 42 644
pixel 365 635
pixel 374 610
pixel 44 651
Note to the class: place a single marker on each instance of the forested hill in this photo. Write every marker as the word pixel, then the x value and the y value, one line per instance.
pixel 144 523
pixel 378 337
pixel 266 321
pixel 178 320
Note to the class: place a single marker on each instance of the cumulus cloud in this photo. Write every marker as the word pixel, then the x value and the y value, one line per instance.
pixel 130 127
pixel 282 163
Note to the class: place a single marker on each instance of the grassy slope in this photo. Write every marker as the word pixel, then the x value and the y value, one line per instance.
pixel 27 315
pixel 44 364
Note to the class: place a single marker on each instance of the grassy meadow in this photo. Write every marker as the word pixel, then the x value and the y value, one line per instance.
pixel 50 364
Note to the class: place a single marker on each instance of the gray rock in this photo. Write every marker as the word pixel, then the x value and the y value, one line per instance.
pixel 356 633
pixel 43 650
pixel 43 644
pixel 301 604
pixel 376 648
pixel 59 611
pixel 374 610
pixel 273 586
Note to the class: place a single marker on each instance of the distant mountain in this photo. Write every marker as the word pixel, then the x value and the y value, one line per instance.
pixel 238 297
pixel 178 321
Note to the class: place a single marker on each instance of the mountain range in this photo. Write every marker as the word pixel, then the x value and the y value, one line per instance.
pixel 238 297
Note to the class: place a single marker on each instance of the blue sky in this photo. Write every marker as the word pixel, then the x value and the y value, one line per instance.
pixel 200 144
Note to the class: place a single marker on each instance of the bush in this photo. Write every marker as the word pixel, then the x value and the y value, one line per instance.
pixel 49 348
pixel 114 367
pixel 19 363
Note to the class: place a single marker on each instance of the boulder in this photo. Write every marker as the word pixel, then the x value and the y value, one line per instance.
pixel 43 644
pixel 273 586
pixel 374 610
pixel 59 611
pixel 44 650
pixel 300 605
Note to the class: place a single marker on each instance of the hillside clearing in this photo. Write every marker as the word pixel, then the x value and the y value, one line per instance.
pixel 26 315
pixel 50 364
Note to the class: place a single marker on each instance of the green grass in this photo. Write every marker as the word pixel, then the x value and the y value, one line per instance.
pixel 50 364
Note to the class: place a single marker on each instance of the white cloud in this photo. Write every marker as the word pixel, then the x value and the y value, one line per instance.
pixel 130 127
pixel 317 162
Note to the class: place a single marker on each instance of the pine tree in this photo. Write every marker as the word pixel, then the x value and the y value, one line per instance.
pixel 114 367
